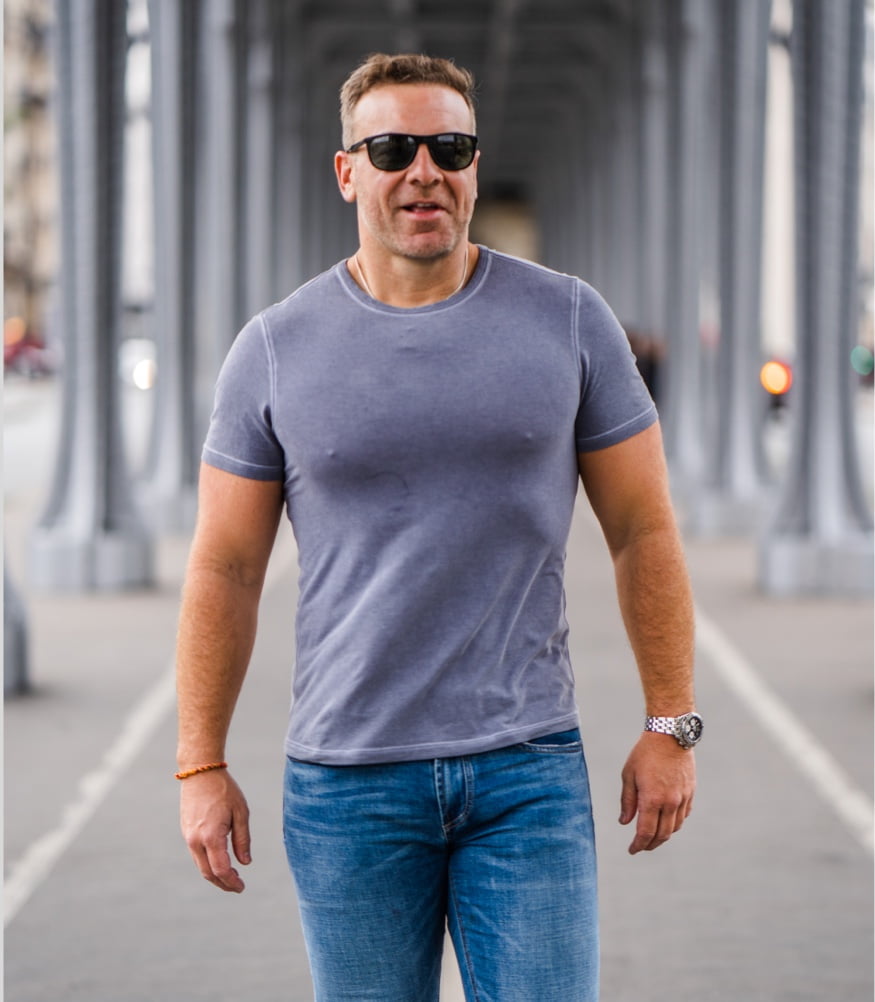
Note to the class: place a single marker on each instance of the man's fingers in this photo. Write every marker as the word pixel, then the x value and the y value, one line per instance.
pixel 214 865
pixel 219 870
pixel 240 839
pixel 648 837
pixel 656 825
pixel 647 831
pixel 689 808
pixel 628 799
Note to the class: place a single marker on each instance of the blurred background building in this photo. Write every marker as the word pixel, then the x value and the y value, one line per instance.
pixel 30 245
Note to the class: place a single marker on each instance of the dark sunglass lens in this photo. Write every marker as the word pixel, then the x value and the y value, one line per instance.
pixel 393 152
pixel 453 151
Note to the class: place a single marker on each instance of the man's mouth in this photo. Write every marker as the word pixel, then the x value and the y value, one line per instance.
pixel 423 208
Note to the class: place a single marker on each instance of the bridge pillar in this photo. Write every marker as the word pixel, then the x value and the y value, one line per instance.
pixel 732 497
pixel 170 486
pixel 16 677
pixel 219 303
pixel 821 538
pixel 650 337
pixel 682 397
pixel 91 537
pixel 289 116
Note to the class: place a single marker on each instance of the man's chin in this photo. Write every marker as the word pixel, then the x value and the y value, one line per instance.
pixel 429 247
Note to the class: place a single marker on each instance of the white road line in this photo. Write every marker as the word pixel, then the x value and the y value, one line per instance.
pixel 42 855
pixel 38 860
pixel 851 805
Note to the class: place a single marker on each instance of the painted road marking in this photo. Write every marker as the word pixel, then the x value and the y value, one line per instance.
pixel 41 856
pixel 853 807
pixel 850 804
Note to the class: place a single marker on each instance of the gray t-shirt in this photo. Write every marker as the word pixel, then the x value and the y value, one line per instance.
pixel 428 458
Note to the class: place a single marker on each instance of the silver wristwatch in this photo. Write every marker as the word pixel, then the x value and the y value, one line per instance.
pixel 686 730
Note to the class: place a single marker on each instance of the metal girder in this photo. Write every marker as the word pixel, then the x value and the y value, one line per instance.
pixel 91 535
pixel 496 73
pixel 407 33
pixel 821 540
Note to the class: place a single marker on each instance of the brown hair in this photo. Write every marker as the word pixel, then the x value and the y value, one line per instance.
pixel 409 68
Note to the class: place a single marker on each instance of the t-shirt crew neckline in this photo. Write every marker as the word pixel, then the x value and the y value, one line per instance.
pixel 351 286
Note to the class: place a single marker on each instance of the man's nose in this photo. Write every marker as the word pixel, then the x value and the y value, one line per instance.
pixel 423 169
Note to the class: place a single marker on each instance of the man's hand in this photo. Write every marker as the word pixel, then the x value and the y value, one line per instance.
pixel 659 780
pixel 212 808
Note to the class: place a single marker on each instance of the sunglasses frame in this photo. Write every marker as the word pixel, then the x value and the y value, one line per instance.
pixel 430 142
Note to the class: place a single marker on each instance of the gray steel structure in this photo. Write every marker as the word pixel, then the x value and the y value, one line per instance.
pixel 91 535
pixel 606 116
pixel 821 538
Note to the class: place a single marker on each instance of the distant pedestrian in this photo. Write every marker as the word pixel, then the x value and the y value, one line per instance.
pixel 424 410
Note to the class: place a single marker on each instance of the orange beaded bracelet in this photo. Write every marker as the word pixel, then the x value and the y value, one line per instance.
pixel 201 768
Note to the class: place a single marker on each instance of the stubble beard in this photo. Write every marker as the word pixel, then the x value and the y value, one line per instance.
pixel 416 246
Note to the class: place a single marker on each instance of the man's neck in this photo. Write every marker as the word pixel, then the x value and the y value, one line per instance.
pixel 408 282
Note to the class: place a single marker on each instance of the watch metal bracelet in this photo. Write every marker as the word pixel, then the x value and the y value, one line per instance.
pixel 661 725
pixel 686 729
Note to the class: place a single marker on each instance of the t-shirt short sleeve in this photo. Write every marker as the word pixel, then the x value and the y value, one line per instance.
pixel 240 438
pixel 615 403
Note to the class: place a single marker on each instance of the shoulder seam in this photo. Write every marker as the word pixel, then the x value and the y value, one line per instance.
pixel 575 332
pixel 271 360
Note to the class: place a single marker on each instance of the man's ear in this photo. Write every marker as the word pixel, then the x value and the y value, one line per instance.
pixel 343 170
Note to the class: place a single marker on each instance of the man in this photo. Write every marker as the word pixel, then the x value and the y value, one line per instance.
pixel 424 410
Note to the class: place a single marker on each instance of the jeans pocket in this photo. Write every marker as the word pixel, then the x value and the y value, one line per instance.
pixel 560 741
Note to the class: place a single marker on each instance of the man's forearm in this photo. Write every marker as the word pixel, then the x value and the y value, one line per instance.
pixel 216 635
pixel 657 606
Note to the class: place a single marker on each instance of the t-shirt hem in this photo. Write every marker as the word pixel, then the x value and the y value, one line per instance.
pixel 619 434
pixel 434 749
pixel 240 467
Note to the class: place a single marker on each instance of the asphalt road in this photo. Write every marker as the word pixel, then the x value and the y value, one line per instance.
pixel 767 894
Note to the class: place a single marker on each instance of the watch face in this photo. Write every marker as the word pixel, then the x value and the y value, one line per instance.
pixel 691 729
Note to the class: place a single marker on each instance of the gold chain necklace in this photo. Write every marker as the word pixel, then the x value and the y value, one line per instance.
pixel 367 287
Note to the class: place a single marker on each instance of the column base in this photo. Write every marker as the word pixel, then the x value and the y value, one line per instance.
pixel 169 513
pixel 108 561
pixel 16 675
pixel 715 513
pixel 799 565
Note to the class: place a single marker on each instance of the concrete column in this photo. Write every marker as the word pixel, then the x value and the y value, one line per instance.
pixel 170 486
pixel 682 403
pixel 603 186
pixel 91 535
pixel 16 677
pixel 331 228
pixel 219 308
pixel 259 150
pixel 653 175
pixel 289 115
pixel 561 196
pixel 573 148
pixel 545 211
pixel 821 538
pixel 732 499
pixel 626 164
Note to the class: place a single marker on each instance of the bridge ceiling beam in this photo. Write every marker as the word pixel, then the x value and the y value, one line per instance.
pixel 531 60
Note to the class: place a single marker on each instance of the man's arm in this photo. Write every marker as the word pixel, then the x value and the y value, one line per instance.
pixel 627 486
pixel 236 527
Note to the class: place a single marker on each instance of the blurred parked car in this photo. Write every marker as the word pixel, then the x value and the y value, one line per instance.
pixel 25 352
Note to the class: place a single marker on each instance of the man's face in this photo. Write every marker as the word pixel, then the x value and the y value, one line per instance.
pixel 420 212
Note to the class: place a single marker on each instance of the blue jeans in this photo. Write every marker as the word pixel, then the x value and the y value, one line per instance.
pixel 498 845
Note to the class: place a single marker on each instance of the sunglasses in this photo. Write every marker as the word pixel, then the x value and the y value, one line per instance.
pixel 395 150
